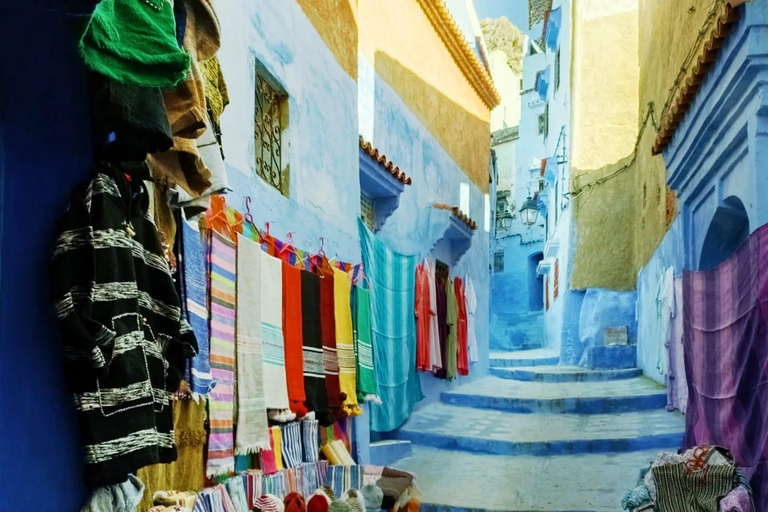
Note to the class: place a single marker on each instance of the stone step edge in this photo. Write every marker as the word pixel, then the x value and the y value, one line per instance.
pixel 565 405
pixel 547 448
pixel 532 374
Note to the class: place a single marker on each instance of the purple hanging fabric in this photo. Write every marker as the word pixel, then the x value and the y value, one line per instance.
pixel 726 359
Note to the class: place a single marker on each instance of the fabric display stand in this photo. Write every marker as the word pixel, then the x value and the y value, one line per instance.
pixel 214 367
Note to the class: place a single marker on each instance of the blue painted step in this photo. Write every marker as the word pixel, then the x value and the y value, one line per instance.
pixel 525 358
pixel 501 433
pixel 384 453
pixel 638 394
pixel 563 374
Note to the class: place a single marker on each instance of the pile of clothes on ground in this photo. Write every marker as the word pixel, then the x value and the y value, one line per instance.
pixel 703 479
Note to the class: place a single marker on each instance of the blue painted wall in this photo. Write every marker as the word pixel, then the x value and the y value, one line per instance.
pixel 46 140
pixel 720 148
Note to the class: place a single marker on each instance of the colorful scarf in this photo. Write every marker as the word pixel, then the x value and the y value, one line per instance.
pixel 314 369
pixel 275 387
pixel 461 328
pixel 193 270
pixel 435 351
pixel 471 305
pixel 452 319
pixel 423 318
pixel 345 345
pixel 310 441
pixel 252 427
pixel 366 377
pixel 442 324
pixel 221 443
pixel 328 334
pixel 292 327
pixel 392 277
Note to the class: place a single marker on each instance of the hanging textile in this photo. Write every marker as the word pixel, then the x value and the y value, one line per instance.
pixel 423 320
pixel 314 368
pixel 665 297
pixel 726 356
pixel 125 341
pixel 452 320
pixel 292 326
pixel 221 443
pixel 441 277
pixel 461 328
pixel 236 491
pixel 252 427
pixel 186 472
pixel 193 270
pixel 471 305
pixel 392 277
pixel 342 295
pixel 328 334
pixel 366 378
pixel 291 437
pixel 275 386
pixel 435 351
pixel 677 385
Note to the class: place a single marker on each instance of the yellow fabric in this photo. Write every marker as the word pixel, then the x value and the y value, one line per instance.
pixel 345 347
pixel 187 472
pixel 330 454
pixel 277 440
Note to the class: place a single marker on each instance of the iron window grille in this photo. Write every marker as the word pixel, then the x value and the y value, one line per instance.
pixel 367 210
pixel 268 133
pixel 544 122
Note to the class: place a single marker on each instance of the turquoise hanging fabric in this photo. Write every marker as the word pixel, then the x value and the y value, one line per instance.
pixel 392 278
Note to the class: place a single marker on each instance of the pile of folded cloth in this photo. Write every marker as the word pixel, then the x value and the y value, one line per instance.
pixel 703 479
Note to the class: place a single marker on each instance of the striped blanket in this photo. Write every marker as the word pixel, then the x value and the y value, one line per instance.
pixel 366 376
pixel 725 341
pixel 252 427
pixel 393 281
pixel 221 443
pixel 194 286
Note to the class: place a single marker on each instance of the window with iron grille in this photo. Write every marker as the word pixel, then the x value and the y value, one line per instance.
pixel 270 123
pixel 498 261
pixel 544 121
pixel 557 69
pixel 367 210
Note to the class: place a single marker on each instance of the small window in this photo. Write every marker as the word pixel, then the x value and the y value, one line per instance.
pixel 498 261
pixel 521 84
pixel 557 70
pixel 544 122
pixel 367 210
pixel 270 123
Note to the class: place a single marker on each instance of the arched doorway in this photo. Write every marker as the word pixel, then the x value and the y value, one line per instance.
pixel 727 231
pixel 535 283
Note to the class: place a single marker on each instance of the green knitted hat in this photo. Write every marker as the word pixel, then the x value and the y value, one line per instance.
pixel 134 41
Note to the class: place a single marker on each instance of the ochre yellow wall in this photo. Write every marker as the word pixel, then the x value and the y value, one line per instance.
pixel 407 53
pixel 604 124
pixel 336 22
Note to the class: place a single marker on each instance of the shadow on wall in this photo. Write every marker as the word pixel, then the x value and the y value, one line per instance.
pixel 728 230
pixel 454 128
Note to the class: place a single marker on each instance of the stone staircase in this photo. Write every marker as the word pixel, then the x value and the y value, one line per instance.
pixel 534 436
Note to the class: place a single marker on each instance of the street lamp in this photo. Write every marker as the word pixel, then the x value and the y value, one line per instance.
pixel 504 222
pixel 529 213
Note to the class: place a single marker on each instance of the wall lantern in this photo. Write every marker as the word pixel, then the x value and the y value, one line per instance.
pixel 504 222
pixel 529 213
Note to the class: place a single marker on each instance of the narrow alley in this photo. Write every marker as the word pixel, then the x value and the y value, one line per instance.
pixel 384 255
